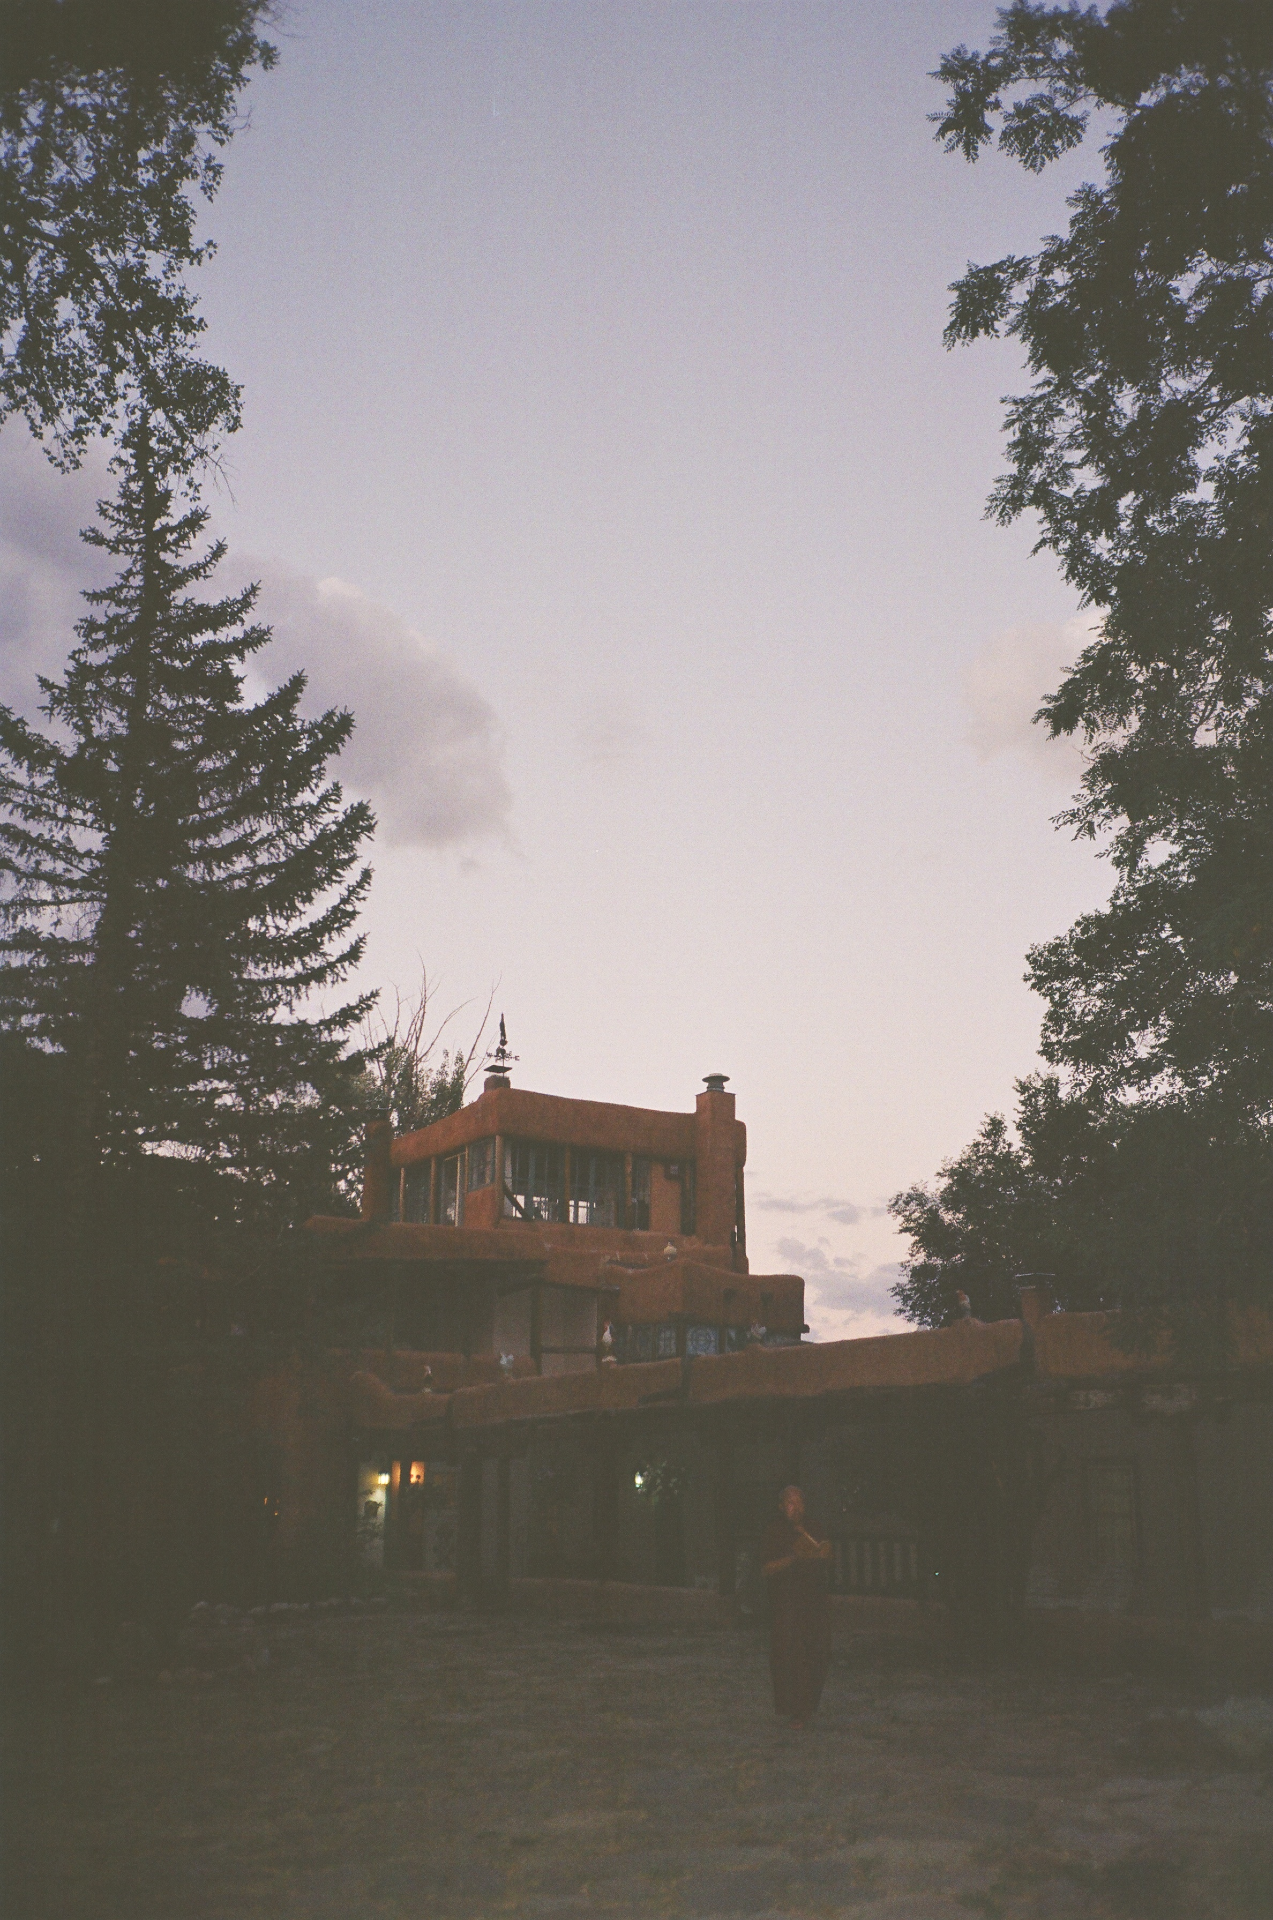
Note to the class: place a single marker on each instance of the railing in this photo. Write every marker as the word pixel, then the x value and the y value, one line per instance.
pixel 881 1564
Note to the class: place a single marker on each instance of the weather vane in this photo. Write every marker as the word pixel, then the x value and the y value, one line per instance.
pixel 500 1059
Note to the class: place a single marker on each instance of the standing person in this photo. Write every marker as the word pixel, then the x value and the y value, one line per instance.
pixel 794 1562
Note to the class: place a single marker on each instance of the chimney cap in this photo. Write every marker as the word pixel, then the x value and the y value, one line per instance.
pixel 715 1082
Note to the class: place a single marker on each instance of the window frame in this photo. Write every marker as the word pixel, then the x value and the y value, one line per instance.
pixel 1094 1466
pixel 605 1198
pixel 481 1159
pixel 553 1209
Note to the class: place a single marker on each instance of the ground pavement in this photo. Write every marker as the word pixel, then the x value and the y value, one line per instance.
pixel 405 1765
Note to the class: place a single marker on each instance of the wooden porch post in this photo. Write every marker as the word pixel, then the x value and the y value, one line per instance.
pixel 468 1543
pixel 791 1447
pixel 504 1527
pixel 537 1327
pixel 1192 1539
pixel 726 1544
pixel 392 1511
pixel 605 1499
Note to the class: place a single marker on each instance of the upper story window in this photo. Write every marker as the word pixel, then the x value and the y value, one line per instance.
pixel 481 1164
pixel 416 1189
pixel 689 1197
pixel 640 1195
pixel 596 1188
pixel 534 1181
pixel 451 1195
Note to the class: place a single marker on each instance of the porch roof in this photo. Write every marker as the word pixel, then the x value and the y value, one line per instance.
pixel 1062 1347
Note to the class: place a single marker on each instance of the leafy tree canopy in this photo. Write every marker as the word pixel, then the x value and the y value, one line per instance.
pixel 111 112
pixel 406 1077
pixel 1145 449
pixel 1143 1167
pixel 1154 1208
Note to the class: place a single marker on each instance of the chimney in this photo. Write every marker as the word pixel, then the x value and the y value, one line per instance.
pixel 1035 1301
pixel 377 1178
pixel 719 1151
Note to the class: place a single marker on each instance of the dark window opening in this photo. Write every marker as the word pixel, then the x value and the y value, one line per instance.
pixel 534 1188
pixel 415 1190
pixel 689 1197
pixel 596 1188
pixel 481 1164
pixel 641 1195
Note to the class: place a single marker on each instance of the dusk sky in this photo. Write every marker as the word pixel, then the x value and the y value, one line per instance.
pixel 601 452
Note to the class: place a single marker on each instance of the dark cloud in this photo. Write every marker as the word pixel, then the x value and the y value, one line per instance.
pixel 426 748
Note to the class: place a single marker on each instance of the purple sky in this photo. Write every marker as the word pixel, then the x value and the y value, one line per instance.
pixel 602 453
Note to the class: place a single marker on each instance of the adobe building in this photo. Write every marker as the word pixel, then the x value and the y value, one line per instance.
pixel 562 1232
pixel 578 1395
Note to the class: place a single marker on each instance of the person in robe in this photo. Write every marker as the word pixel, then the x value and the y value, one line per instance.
pixel 794 1562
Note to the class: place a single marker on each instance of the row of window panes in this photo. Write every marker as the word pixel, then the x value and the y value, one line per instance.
pixel 470 1169
pixel 659 1343
pixel 535 1186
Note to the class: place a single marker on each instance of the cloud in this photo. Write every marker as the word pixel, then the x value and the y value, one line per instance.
pixel 815 1259
pixel 844 1299
pixel 867 1313
pixel 833 1276
pixel 1007 682
pixel 44 565
pixel 845 1213
pixel 609 733
pixel 426 748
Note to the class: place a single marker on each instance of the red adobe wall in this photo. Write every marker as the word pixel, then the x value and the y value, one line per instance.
pixel 712 1137
pixel 518 1113
pixel 715 1296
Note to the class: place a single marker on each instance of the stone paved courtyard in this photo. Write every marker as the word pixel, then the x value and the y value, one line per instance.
pixel 428 1764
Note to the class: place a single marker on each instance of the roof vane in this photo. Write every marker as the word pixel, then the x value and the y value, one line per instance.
pixel 500 1059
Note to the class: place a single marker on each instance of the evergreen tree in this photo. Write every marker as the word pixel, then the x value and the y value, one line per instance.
pixel 182 878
